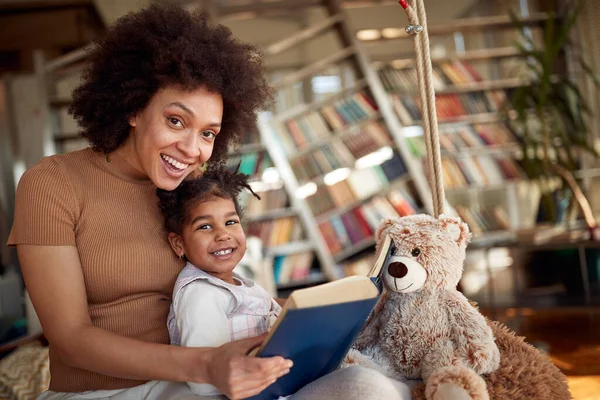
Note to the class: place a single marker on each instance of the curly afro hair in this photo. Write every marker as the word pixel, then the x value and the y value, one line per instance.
pixel 216 181
pixel 165 45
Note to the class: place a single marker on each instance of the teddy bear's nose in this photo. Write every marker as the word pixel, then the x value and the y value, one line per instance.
pixel 398 270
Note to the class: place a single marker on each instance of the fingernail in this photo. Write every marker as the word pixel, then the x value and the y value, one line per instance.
pixel 289 363
pixel 284 372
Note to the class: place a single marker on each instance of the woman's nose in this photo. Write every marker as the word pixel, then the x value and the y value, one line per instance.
pixel 189 145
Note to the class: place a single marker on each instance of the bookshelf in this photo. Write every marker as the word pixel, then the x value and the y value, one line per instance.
pixel 475 67
pixel 338 154
pixel 289 251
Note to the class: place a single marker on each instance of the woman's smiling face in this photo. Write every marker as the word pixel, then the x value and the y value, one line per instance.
pixel 174 134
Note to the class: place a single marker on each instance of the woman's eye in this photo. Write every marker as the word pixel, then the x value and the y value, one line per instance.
pixel 209 134
pixel 175 122
pixel 232 222
pixel 415 252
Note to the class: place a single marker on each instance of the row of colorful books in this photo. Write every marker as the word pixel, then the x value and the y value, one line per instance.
pixel 463 169
pixel 322 160
pixel 276 232
pixel 269 200
pixel 304 130
pixel 292 267
pixel 343 231
pixel 475 136
pixel 484 220
pixel 457 138
pixel 445 75
pixel 360 185
pixel 251 163
pixel 481 170
pixel 366 139
pixel 449 107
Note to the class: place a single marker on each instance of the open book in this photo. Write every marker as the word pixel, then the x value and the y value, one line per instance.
pixel 318 325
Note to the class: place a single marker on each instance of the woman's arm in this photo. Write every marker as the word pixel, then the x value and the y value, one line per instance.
pixel 54 279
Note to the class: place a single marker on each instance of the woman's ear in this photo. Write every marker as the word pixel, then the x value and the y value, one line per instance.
pixel 132 121
pixel 176 242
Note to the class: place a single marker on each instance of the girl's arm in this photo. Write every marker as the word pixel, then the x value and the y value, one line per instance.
pixel 54 279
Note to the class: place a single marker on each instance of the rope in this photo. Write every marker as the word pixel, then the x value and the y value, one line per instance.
pixel 418 28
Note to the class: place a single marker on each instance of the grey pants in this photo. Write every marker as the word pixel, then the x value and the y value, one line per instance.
pixel 353 383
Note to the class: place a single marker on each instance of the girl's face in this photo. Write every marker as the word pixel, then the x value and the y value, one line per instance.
pixel 212 238
pixel 174 134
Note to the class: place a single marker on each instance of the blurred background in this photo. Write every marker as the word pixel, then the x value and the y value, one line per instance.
pixel 343 147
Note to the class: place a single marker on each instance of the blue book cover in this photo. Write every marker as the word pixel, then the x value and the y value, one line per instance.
pixel 316 339
pixel 319 324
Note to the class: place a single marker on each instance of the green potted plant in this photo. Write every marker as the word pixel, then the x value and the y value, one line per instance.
pixel 549 115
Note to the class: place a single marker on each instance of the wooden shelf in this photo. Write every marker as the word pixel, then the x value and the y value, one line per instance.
pixel 399 182
pixel 307 108
pixel 336 134
pixel 470 55
pixel 480 188
pixel 499 84
pixel 491 239
pixel 480 118
pixel 472 24
pixel 273 214
pixel 290 248
pixel 491 149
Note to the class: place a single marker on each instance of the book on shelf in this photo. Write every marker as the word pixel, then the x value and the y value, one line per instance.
pixel 292 267
pixel 302 131
pixel 270 200
pixel 276 232
pixel 464 159
pixel 342 230
pixel 484 220
pixel 462 91
pixel 251 163
pixel 318 325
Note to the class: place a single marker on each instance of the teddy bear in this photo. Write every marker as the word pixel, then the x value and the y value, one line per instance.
pixel 423 328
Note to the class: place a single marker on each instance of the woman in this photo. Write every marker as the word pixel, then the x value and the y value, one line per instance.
pixel 164 92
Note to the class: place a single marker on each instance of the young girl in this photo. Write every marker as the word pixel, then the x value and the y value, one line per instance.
pixel 212 305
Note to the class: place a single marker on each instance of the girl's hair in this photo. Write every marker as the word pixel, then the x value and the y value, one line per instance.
pixel 216 181
pixel 166 46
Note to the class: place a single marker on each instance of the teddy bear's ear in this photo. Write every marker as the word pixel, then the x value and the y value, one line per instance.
pixel 457 228
pixel 383 227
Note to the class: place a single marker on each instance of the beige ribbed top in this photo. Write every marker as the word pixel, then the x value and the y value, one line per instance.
pixel 110 213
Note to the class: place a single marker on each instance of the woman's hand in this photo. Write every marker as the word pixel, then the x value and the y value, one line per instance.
pixel 239 376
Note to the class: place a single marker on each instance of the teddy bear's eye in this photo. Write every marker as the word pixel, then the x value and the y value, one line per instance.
pixel 416 252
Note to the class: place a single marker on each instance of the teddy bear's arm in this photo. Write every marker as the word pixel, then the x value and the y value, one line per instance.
pixel 472 335
pixel 370 332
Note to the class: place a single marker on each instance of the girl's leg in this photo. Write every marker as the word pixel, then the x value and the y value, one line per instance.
pixel 355 383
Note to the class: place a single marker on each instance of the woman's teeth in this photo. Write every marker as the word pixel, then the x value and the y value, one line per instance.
pixel 222 252
pixel 174 162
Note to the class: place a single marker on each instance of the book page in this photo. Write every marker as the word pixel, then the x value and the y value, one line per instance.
pixel 381 256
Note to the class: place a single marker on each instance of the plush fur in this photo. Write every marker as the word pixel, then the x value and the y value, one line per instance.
pixel 424 328
pixel 524 372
